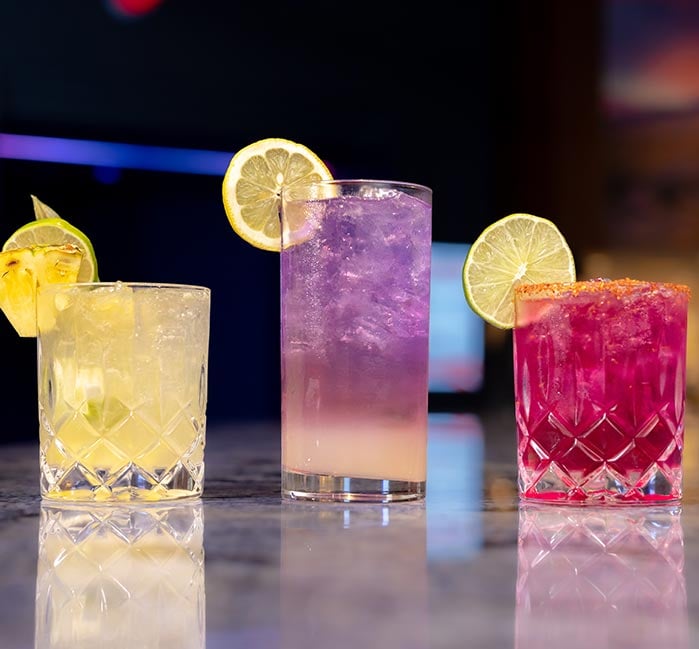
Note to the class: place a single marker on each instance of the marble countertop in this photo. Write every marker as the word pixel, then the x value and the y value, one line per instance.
pixel 468 567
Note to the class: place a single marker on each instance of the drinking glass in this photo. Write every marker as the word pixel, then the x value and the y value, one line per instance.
pixel 355 269
pixel 600 372
pixel 115 576
pixel 122 390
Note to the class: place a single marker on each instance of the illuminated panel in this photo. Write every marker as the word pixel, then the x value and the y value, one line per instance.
pixel 457 334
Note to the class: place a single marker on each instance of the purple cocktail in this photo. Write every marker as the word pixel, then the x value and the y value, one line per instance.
pixel 355 269
pixel 600 390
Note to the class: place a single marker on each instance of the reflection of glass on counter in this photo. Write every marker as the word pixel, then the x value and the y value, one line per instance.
pixel 609 577
pixel 113 577
pixel 455 455
pixel 354 576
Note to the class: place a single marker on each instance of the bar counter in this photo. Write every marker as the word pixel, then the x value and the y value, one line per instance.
pixel 467 567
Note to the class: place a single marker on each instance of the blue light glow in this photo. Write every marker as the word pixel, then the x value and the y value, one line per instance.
pixel 113 154
pixel 457 334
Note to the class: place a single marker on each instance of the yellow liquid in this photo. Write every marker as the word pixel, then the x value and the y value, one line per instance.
pixel 122 394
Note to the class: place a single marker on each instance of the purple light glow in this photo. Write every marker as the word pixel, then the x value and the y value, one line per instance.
pixel 113 154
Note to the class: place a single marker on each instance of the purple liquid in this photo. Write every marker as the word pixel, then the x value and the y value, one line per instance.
pixel 355 305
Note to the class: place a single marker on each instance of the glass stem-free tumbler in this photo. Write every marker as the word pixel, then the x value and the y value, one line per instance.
pixel 600 374
pixel 122 390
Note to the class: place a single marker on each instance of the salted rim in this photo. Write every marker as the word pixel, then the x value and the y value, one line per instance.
pixel 612 287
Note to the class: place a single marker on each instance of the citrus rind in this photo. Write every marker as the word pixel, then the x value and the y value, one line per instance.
pixel 56 231
pixel 23 270
pixel 519 248
pixel 253 182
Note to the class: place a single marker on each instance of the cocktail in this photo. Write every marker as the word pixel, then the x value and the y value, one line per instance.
pixel 122 390
pixel 355 269
pixel 599 372
pixel 122 369
pixel 355 302
pixel 599 368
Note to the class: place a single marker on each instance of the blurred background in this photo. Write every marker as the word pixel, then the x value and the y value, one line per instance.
pixel 122 115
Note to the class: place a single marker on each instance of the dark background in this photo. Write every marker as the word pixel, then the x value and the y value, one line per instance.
pixel 492 104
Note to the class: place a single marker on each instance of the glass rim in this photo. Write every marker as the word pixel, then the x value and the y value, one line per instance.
pixel 597 287
pixel 112 284
pixel 350 182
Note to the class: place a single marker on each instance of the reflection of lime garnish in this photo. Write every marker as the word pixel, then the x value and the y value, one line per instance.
pixel 49 229
pixel 517 249
pixel 22 270
pixel 253 182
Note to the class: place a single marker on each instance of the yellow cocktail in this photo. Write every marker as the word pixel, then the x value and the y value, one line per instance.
pixel 122 390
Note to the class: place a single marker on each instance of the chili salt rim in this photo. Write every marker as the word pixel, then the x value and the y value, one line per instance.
pixel 614 287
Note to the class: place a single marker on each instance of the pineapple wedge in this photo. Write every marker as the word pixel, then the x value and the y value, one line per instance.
pixel 23 269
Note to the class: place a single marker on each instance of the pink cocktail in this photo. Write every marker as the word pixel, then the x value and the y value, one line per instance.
pixel 355 270
pixel 600 373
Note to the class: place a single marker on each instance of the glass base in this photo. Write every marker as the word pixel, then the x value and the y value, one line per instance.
pixel 131 483
pixel 123 497
pixel 599 485
pixel 606 500
pixel 345 489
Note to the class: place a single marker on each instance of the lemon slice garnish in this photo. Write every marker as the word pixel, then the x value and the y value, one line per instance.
pixel 253 182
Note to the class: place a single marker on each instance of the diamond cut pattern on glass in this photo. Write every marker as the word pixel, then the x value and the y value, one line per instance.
pixel 572 447
pixel 129 455
pixel 122 392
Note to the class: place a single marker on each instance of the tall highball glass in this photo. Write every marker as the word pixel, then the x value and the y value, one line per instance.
pixel 355 269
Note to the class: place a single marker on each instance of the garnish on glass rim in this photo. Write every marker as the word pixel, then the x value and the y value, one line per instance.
pixel 46 250
pixel 517 249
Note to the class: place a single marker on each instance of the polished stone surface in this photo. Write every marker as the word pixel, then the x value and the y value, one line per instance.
pixel 468 567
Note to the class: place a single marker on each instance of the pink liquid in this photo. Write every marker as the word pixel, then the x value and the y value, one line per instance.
pixel 600 391
pixel 355 303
